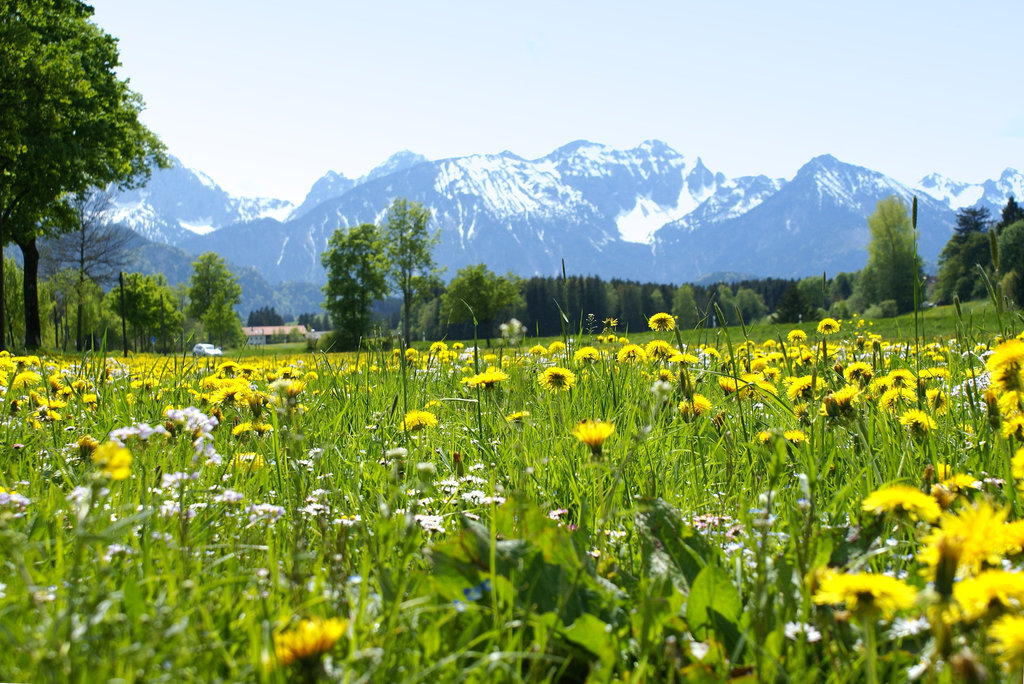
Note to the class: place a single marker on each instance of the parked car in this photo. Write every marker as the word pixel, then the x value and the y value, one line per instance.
pixel 204 349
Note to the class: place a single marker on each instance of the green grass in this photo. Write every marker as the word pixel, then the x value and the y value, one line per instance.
pixel 481 549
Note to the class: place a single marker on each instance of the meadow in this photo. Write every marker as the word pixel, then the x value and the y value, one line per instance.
pixel 838 501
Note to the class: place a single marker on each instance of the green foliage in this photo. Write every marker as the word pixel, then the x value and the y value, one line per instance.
pixel 409 248
pixel 476 292
pixel 151 316
pixel 794 307
pixel 356 276
pixel 963 264
pixel 69 124
pixel 893 265
pixel 211 283
pixel 684 307
pixel 1011 258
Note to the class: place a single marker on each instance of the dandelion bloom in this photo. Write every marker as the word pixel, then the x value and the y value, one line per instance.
pixel 660 350
pixel 902 499
pixel 631 353
pixel 247 461
pixel 828 326
pixel 795 437
pixel 841 402
pixel 488 379
pixel 593 433
pixel 662 322
pixel 698 406
pixel 586 355
pixel 556 346
pixel 801 387
pixel 796 336
pixel 113 459
pixel 1007 635
pixel 865 593
pixel 990 589
pixel 517 417
pixel 917 422
pixel 891 399
pixel 557 379
pixel 1005 365
pixel 858 372
pixel 308 640
pixel 418 420
pixel 977 534
pixel 538 350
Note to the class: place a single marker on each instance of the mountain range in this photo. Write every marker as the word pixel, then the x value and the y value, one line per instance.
pixel 648 213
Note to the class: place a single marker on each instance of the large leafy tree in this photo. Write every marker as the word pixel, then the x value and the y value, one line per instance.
pixel 893 265
pixel 409 246
pixel 477 293
pixel 211 278
pixel 68 123
pixel 356 276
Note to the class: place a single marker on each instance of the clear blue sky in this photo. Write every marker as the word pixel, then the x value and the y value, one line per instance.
pixel 267 96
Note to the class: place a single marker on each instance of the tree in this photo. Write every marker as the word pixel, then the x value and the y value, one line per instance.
pixel 96 249
pixel 971 220
pixel 893 265
pixel 476 292
pixel 356 275
pixel 149 308
pixel 794 307
pixel 409 249
pixel 1011 259
pixel 684 307
pixel 211 283
pixel 265 315
pixel 959 262
pixel 1011 213
pixel 68 124
pixel 221 322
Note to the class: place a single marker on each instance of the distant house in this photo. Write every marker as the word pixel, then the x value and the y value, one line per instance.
pixel 259 335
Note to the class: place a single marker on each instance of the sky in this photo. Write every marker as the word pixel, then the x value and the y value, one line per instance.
pixel 266 97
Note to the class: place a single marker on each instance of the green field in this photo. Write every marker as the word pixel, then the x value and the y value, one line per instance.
pixel 712 505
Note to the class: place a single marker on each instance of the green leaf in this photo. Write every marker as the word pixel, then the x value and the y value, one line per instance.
pixel 713 603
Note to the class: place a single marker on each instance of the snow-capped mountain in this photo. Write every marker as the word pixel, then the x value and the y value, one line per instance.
pixel 179 202
pixel 813 223
pixel 646 213
pixel 991 194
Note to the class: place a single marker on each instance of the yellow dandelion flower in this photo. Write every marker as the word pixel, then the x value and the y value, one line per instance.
pixel 859 373
pixel 487 380
pixel 247 461
pixel 902 499
pixel 893 398
pixel 593 433
pixel 865 593
pixel 662 322
pixel 555 379
pixel 659 350
pixel 828 326
pixel 698 406
pixel 801 387
pixel 586 355
pixel 977 533
pixel 241 429
pixel 1007 635
pixel 796 336
pixel 917 422
pixel 991 589
pixel 556 347
pixel 113 459
pixel 631 353
pixel 538 350
pixel 416 420
pixel 308 640
pixel 517 417
pixel 795 437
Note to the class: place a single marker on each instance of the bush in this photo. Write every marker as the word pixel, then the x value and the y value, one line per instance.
pixel 883 309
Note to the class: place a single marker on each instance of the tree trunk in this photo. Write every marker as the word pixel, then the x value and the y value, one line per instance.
pixel 30 255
